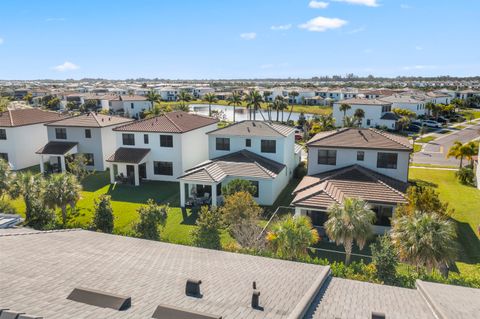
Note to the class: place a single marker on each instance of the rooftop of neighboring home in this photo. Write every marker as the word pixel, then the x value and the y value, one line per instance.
pixel 408 99
pixel 361 138
pixel 380 92
pixel 40 270
pixel 91 119
pixel 242 163
pixel 132 98
pixel 255 128
pixel 363 101
pixel 172 122
pixel 22 117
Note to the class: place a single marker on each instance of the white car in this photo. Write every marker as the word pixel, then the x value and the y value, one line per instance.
pixel 431 123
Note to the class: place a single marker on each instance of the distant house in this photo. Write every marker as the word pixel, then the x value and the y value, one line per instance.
pixel 22 132
pixel 377 112
pixel 89 134
pixel 407 102
pixel 257 151
pixel 159 148
pixel 130 105
pixel 362 163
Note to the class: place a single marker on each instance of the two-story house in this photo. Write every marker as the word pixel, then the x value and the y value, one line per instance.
pixel 412 103
pixel 260 152
pixel 22 132
pixel 358 163
pixel 89 134
pixel 159 148
pixel 377 112
pixel 130 105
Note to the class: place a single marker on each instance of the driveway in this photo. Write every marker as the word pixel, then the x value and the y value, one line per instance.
pixel 435 152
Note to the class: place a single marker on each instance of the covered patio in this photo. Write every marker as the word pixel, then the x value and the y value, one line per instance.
pixel 128 165
pixel 56 152
pixel 199 193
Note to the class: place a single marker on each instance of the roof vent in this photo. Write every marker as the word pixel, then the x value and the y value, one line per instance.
pixel 100 298
pixel 168 312
pixel 192 288
pixel 378 315
pixel 256 297
pixel 9 314
pixel 103 119
pixel 29 317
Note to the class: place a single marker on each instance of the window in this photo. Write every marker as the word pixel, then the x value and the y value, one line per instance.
pixel 368 122
pixel 255 183
pixel 166 140
pixel 128 139
pixel 4 156
pixel 327 157
pixel 60 133
pixel 3 134
pixel 131 106
pixel 268 146
pixel 222 144
pixel 163 168
pixel 145 138
pixel 383 215
pixel 248 142
pixel 360 155
pixel 89 158
pixel 387 160
pixel 88 133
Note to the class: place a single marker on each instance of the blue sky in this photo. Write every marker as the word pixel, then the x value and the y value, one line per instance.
pixel 205 39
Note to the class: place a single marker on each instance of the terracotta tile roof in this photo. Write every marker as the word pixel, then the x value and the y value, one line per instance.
pixel 360 101
pixel 360 138
pixel 254 128
pixel 21 117
pixel 132 98
pixel 323 190
pixel 173 122
pixel 408 99
pixel 57 148
pixel 91 119
pixel 129 155
pixel 390 116
pixel 242 164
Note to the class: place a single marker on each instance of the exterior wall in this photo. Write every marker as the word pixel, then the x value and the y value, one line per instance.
pixel 347 157
pixel 22 143
pixel 418 108
pixel 372 113
pixel 194 150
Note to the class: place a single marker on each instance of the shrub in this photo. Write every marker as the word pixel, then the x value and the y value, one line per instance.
pixel 385 259
pixel 40 217
pixel 7 208
pixel 151 217
pixel 238 185
pixel 300 171
pixel 465 175
pixel 239 207
pixel 207 234
pixel 103 218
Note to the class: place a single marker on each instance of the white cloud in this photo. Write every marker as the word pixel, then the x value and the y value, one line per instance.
pixel 405 6
pixel 320 24
pixel 282 27
pixel 248 35
pixel 418 48
pixel 66 66
pixel 420 67
pixel 1 40
pixel 318 4
pixel 368 3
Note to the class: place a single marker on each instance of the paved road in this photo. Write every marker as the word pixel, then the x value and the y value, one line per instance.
pixel 435 152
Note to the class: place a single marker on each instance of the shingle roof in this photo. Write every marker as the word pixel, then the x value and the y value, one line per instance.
pixel 360 138
pixel 21 117
pixel 255 128
pixel 57 148
pixel 242 164
pixel 91 119
pixel 172 122
pixel 39 271
pixel 129 155
pixel 323 190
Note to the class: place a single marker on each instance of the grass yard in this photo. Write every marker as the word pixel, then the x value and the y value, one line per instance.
pixel 432 165
pixel 417 148
pixel 465 200
pixel 470 112
pixel 425 139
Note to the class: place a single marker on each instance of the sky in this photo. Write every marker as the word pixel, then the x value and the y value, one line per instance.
pixel 237 39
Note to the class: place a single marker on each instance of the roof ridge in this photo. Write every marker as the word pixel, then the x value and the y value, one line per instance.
pixel 337 131
pixel 372 174
pixel 37 232
pixel 95 117
pixel 174 124
pixel 386 136
pixel 330 195
pixel 10 116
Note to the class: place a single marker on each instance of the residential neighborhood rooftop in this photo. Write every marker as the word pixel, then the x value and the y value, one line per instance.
pixel 362 101
pixel 21 117
pixel 128 155
pixel 91 119
pixel 254 128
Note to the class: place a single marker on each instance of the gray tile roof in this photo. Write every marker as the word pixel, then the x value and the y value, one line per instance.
pixel 57 148
pixel 255 128
pixel 128 155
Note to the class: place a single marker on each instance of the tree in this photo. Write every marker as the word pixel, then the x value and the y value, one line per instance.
pixel 151 217
pixel 344 107
pixel 465 175
pixel 184 97
pixel 53 103
pixel 458 103
pixel 430 107
pixel 247 234
pixel 292 95
pixel 349 121
pixel 326 122
pixel 279 104
pixel 28 98
pixel 236 100
pixel 4 102
pixel 6 177
pixel 403 122
pixel 385 259
pixel 6 207
pixel 103 219
pixel 425 200
pixel 156 110
pixel 266 95
pixel 351 221
pixel 71 105
pixel 424 240
pixel 40 216
pixel 77 165
pixel 62 190
pixel 290 237
pixel 207 233
pixel 89 105
pixel 210 98
pixel 254 102
pixel 359 115
pixel 238 207
pixel 238 185
pixel 153 97
pixel 461 151
pixel 30 186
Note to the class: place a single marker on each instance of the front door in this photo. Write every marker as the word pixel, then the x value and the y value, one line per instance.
pixel 142 170
pixel 131 174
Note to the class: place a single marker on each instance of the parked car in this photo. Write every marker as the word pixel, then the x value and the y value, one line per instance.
pixel 432 123
pixel 442 120
pixel 457 118
pixel 413 128
pixel 417 122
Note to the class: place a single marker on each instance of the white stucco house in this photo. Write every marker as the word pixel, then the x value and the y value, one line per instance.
pixel 159 148
pixel 129 105
pixel 89 134
pixel 407 102
pixel 260 152
pixel 22 133
pixel 377 112
pixel 358 163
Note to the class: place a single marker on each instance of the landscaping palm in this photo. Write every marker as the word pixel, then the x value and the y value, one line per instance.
pixel 254 102
pixel 235 100
pixel 210 98
pixel 62 190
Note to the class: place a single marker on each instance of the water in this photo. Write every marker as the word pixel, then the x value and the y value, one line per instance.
pixel 241 113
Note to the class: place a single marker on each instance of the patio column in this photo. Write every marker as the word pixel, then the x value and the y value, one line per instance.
pixel 112 177
pixel 42 167
pixel 137 176
pixel 214 195
pixel 62 163
pixel 182 194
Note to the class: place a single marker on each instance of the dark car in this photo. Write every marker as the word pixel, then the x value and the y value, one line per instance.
pixel 413 128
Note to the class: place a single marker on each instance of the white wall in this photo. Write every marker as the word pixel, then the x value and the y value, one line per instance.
pixel 195 146
pixel 418 108
pixel 347 157
pixel 372 113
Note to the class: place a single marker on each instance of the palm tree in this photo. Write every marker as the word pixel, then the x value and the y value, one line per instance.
pixel 254 101
pixel 153 97
pixel 292 95
pixel 461 151
pixel 6 177
pixel 291 237
pixel 236 100
pixel 349 121
pixel 403 122
pixel 344 107
pixel 351 221
pixel 279 105
pixel 326 122
pixel 62 190
pixel 359 115
pixel 183 97
pixel 430 107
pixel 156 110
pixel 266 94
pixel 210 98
pixel 28 185
pixel 424 239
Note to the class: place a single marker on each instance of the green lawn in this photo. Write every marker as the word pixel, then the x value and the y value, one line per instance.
pixel 465 200
pixel 425 139
pixel 417 148
pixel 432 165
pixel 466 113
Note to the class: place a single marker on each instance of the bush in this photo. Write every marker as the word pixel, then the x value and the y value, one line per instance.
pixel 207 234
pixel 7 208
pixel 151 217
pixel 465 175
pixel 103 218
pixel 385 259
pixel 239 207
pixel 238 185
pixel 300 171
pixel 40 217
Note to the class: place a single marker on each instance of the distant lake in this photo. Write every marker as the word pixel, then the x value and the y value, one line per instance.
pixel 241 113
